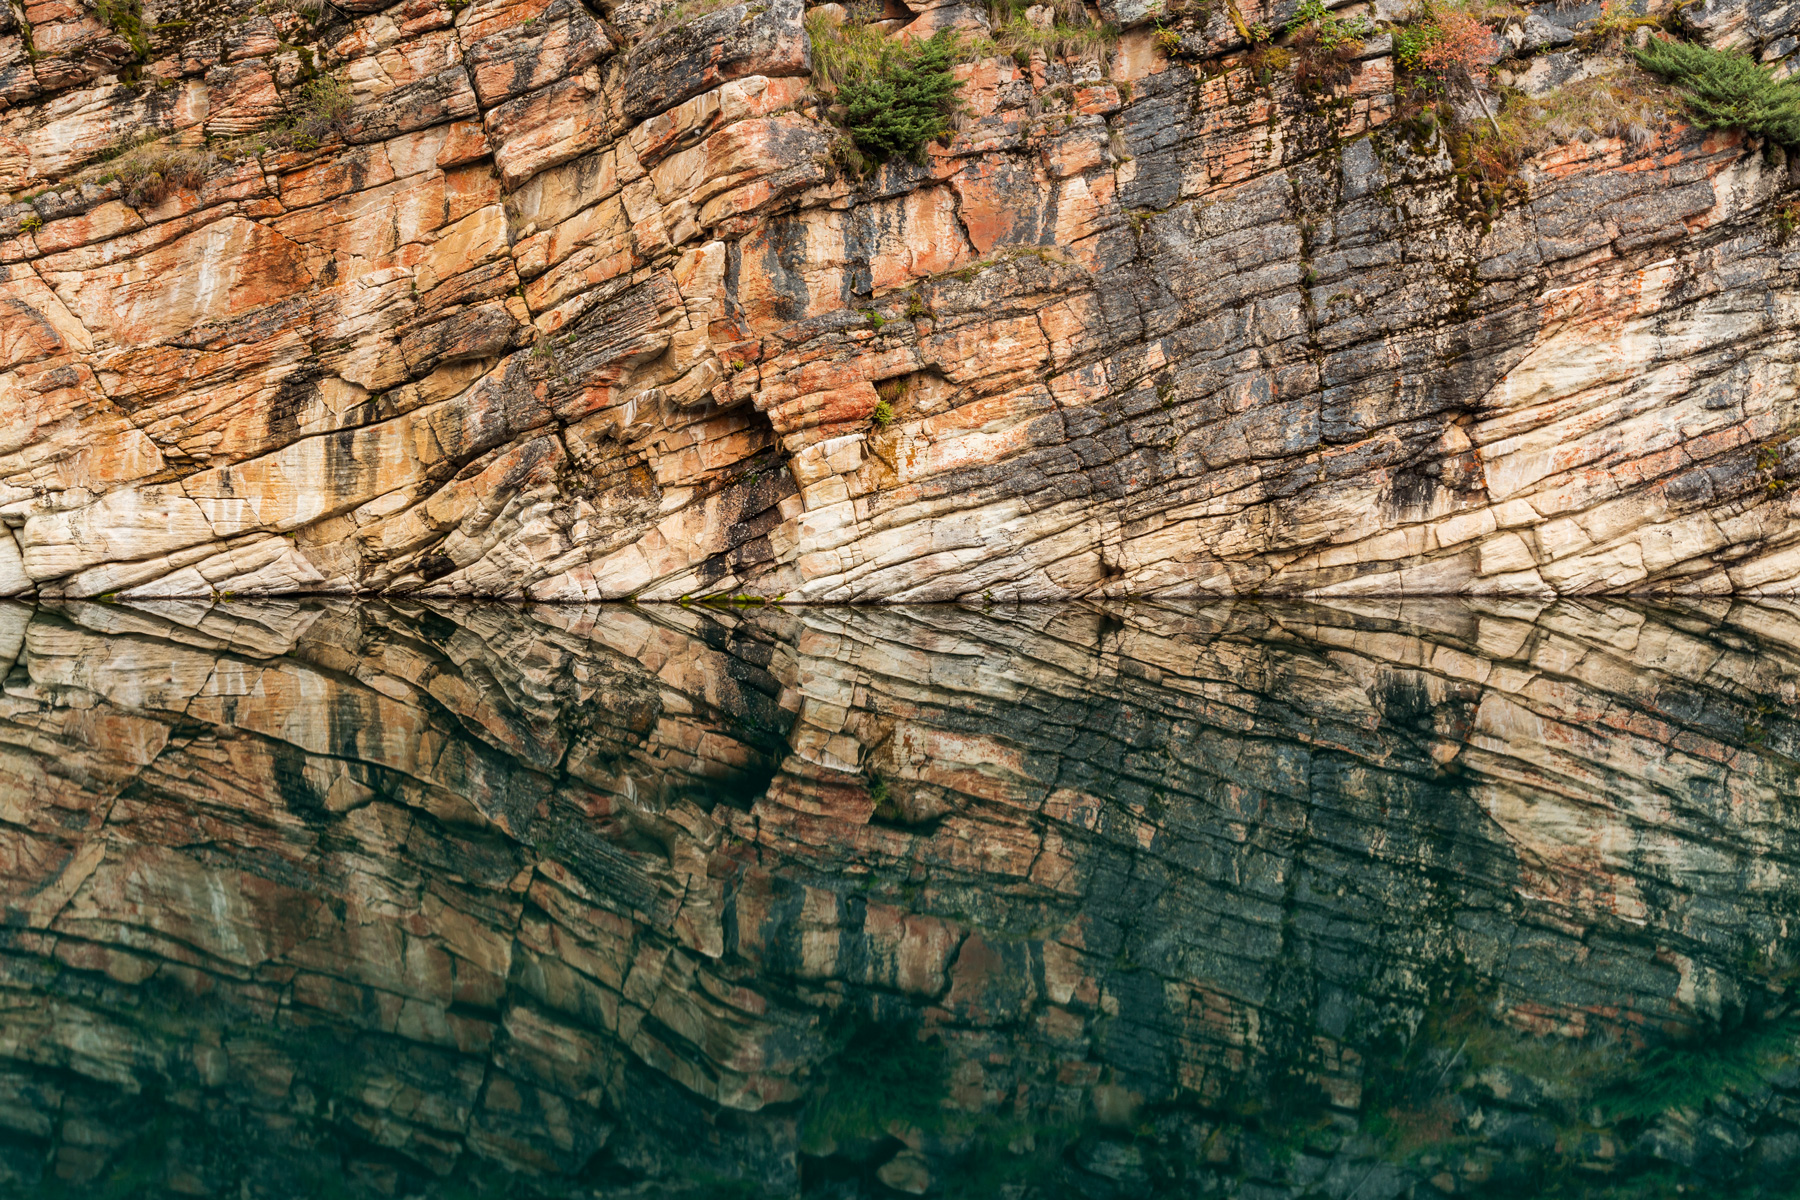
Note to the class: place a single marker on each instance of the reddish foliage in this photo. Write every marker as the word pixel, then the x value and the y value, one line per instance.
pixel 1462 41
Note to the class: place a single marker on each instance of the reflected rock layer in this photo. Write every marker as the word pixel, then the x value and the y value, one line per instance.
pixel 1238 899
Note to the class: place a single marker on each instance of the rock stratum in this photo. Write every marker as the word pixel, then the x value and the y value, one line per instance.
pixel 577 304
pixel 1346 899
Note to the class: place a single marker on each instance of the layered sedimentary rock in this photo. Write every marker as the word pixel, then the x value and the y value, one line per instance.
pixel 567 304
pixel 1249 900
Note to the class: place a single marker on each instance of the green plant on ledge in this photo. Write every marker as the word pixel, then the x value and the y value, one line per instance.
pixel 1330 32
pixel 892 96
pixel 1325 47
pixel 888 392
pixel 1445 39
pixel 1787 220
pixel 126 18
pixel 1629 105
pixel 1020 39
pixel 1725 89
pixel 1165 39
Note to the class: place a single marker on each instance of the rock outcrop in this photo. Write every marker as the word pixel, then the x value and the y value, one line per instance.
pixel 318 898
pixel 535 300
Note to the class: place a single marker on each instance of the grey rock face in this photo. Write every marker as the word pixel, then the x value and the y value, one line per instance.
pixel 1540 31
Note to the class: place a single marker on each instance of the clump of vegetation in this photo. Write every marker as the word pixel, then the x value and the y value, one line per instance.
pixel 1687 1074
pixel 317 110
pixel 1617 22
pixel 148 169
pixel 892 97
pixel 1325 46
pixel 1444 42
pixel 1331 32
pixel 30 223
pixel 677 15
pixel 1725 89
pixel 889 392
pixel 1624 105
pixel 1077 38
pixel 1768 463
pixel 1165 39
pixel 1787 220
pixel 126 18
pixel 882 1074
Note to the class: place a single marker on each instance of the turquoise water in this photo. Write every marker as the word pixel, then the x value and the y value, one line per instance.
pixel 1360 899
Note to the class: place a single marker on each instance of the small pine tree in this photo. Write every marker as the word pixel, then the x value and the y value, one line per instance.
pixel 905 101
pixel 1727 90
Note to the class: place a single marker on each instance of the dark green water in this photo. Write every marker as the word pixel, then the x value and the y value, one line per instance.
pixel 1355 900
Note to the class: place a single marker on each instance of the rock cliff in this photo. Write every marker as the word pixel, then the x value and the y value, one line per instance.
pixel 313 898
pixel 526 298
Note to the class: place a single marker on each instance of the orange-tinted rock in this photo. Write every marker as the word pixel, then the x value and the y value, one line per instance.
pixel 1166 324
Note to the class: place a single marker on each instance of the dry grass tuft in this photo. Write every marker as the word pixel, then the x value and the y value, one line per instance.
pixel 843 51
pixel 147 171
pixel 1020 39
pixel 677 15
pixel 147 168
pixel 1627 105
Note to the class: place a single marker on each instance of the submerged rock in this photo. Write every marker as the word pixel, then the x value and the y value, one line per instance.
pixel 1324 899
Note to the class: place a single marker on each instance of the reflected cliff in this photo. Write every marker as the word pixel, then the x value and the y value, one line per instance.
pixel 1350 899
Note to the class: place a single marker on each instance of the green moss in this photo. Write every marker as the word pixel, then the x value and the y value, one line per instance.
pixel 883 416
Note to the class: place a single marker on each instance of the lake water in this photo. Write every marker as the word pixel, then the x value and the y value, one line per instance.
pixel 1249 899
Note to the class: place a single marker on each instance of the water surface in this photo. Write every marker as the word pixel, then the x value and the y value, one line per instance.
pixel 1354 899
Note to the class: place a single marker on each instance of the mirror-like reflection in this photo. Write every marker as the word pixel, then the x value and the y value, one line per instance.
pixel 1348 900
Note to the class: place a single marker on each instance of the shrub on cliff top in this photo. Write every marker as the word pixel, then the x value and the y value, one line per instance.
pixel 906 102
pixel 892 95
pixel 1724 89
